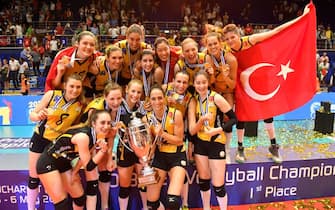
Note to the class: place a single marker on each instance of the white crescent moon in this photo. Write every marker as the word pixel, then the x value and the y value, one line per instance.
pixel 246 84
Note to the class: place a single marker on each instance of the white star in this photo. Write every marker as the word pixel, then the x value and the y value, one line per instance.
pixel 285 69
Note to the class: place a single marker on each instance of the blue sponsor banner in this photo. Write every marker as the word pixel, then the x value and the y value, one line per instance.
pixel 245 183
pixel 15 110
pixel 307 111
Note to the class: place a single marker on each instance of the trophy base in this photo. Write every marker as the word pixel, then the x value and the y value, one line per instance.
pixel 144 180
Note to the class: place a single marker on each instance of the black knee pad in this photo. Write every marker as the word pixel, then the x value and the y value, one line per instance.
pixel 92 187
pixel 142 189
pixel 80 201
pixel 228 129
pixel 153 205
pixel 220 191
pixel 105 176
pixel 124 192
pixel 62 205
pixel 33 183
pixel 269 120
pixel 204 184
pixel 240 125
pixel 173 202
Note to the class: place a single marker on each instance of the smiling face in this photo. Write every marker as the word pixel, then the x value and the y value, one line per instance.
pixel 73 88
pixel 190 51
pixel 213 45
pixel 147 62
pixel 201 84
pixel 115 59
pixel 114 99
pixel 102 123
pixel 157 100
pixel 181 82
pixel 163 51
pixel 86 46
pixel 134 41
pixel 233 40
pixel 134 92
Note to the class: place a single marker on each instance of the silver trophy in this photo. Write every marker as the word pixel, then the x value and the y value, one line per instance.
pixel 142 144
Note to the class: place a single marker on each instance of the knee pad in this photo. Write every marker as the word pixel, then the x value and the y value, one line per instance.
pixel 269 120
pixel 240 125
pixel 80 201
pixel 142 189
pixel 220 191
pixel 204 184
pixel 64 204
pixel 92 187
pixel 173 202
pixel 153 205
pixel 104 176
pixel 124 192
pixel 33 183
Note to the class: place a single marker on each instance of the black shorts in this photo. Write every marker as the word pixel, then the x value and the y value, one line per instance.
pixel 38 143
pixel 125 157
pixel 214 150
pixel 166 161
pixel 46 163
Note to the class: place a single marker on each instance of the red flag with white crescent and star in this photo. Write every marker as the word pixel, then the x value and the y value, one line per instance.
pixel 278 74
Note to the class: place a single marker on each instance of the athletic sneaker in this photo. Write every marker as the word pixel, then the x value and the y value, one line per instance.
pixel 240 157
pixel 273 149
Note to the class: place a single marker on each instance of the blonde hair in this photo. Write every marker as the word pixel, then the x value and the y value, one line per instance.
pixel 187 41
pixel 110 86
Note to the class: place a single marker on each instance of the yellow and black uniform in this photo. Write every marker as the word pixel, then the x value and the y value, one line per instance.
pixel 59 155
pixel 220 85
pixel 213 147
pixel 168 155
pixel 129 60
pixel 182 100
pixel 95 84
pixel 245 43
pixel 97 104
pixel 79 67
pixel 192 68
pixel 64 114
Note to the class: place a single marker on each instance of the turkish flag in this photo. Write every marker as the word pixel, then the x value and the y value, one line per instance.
pixel 278 74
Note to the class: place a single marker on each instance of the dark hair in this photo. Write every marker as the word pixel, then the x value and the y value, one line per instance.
pixel 160 40
pixel 156 86
pixel 201 72
pixel 147 52
pixel 95 114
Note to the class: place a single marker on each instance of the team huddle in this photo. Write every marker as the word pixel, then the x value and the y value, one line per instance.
pixel 186 96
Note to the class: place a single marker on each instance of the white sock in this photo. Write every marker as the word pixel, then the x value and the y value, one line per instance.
pixel 32 195
pixel 206 199
pixel 223 202
pixel 104 193
pixel 229 136
pixel 123 203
